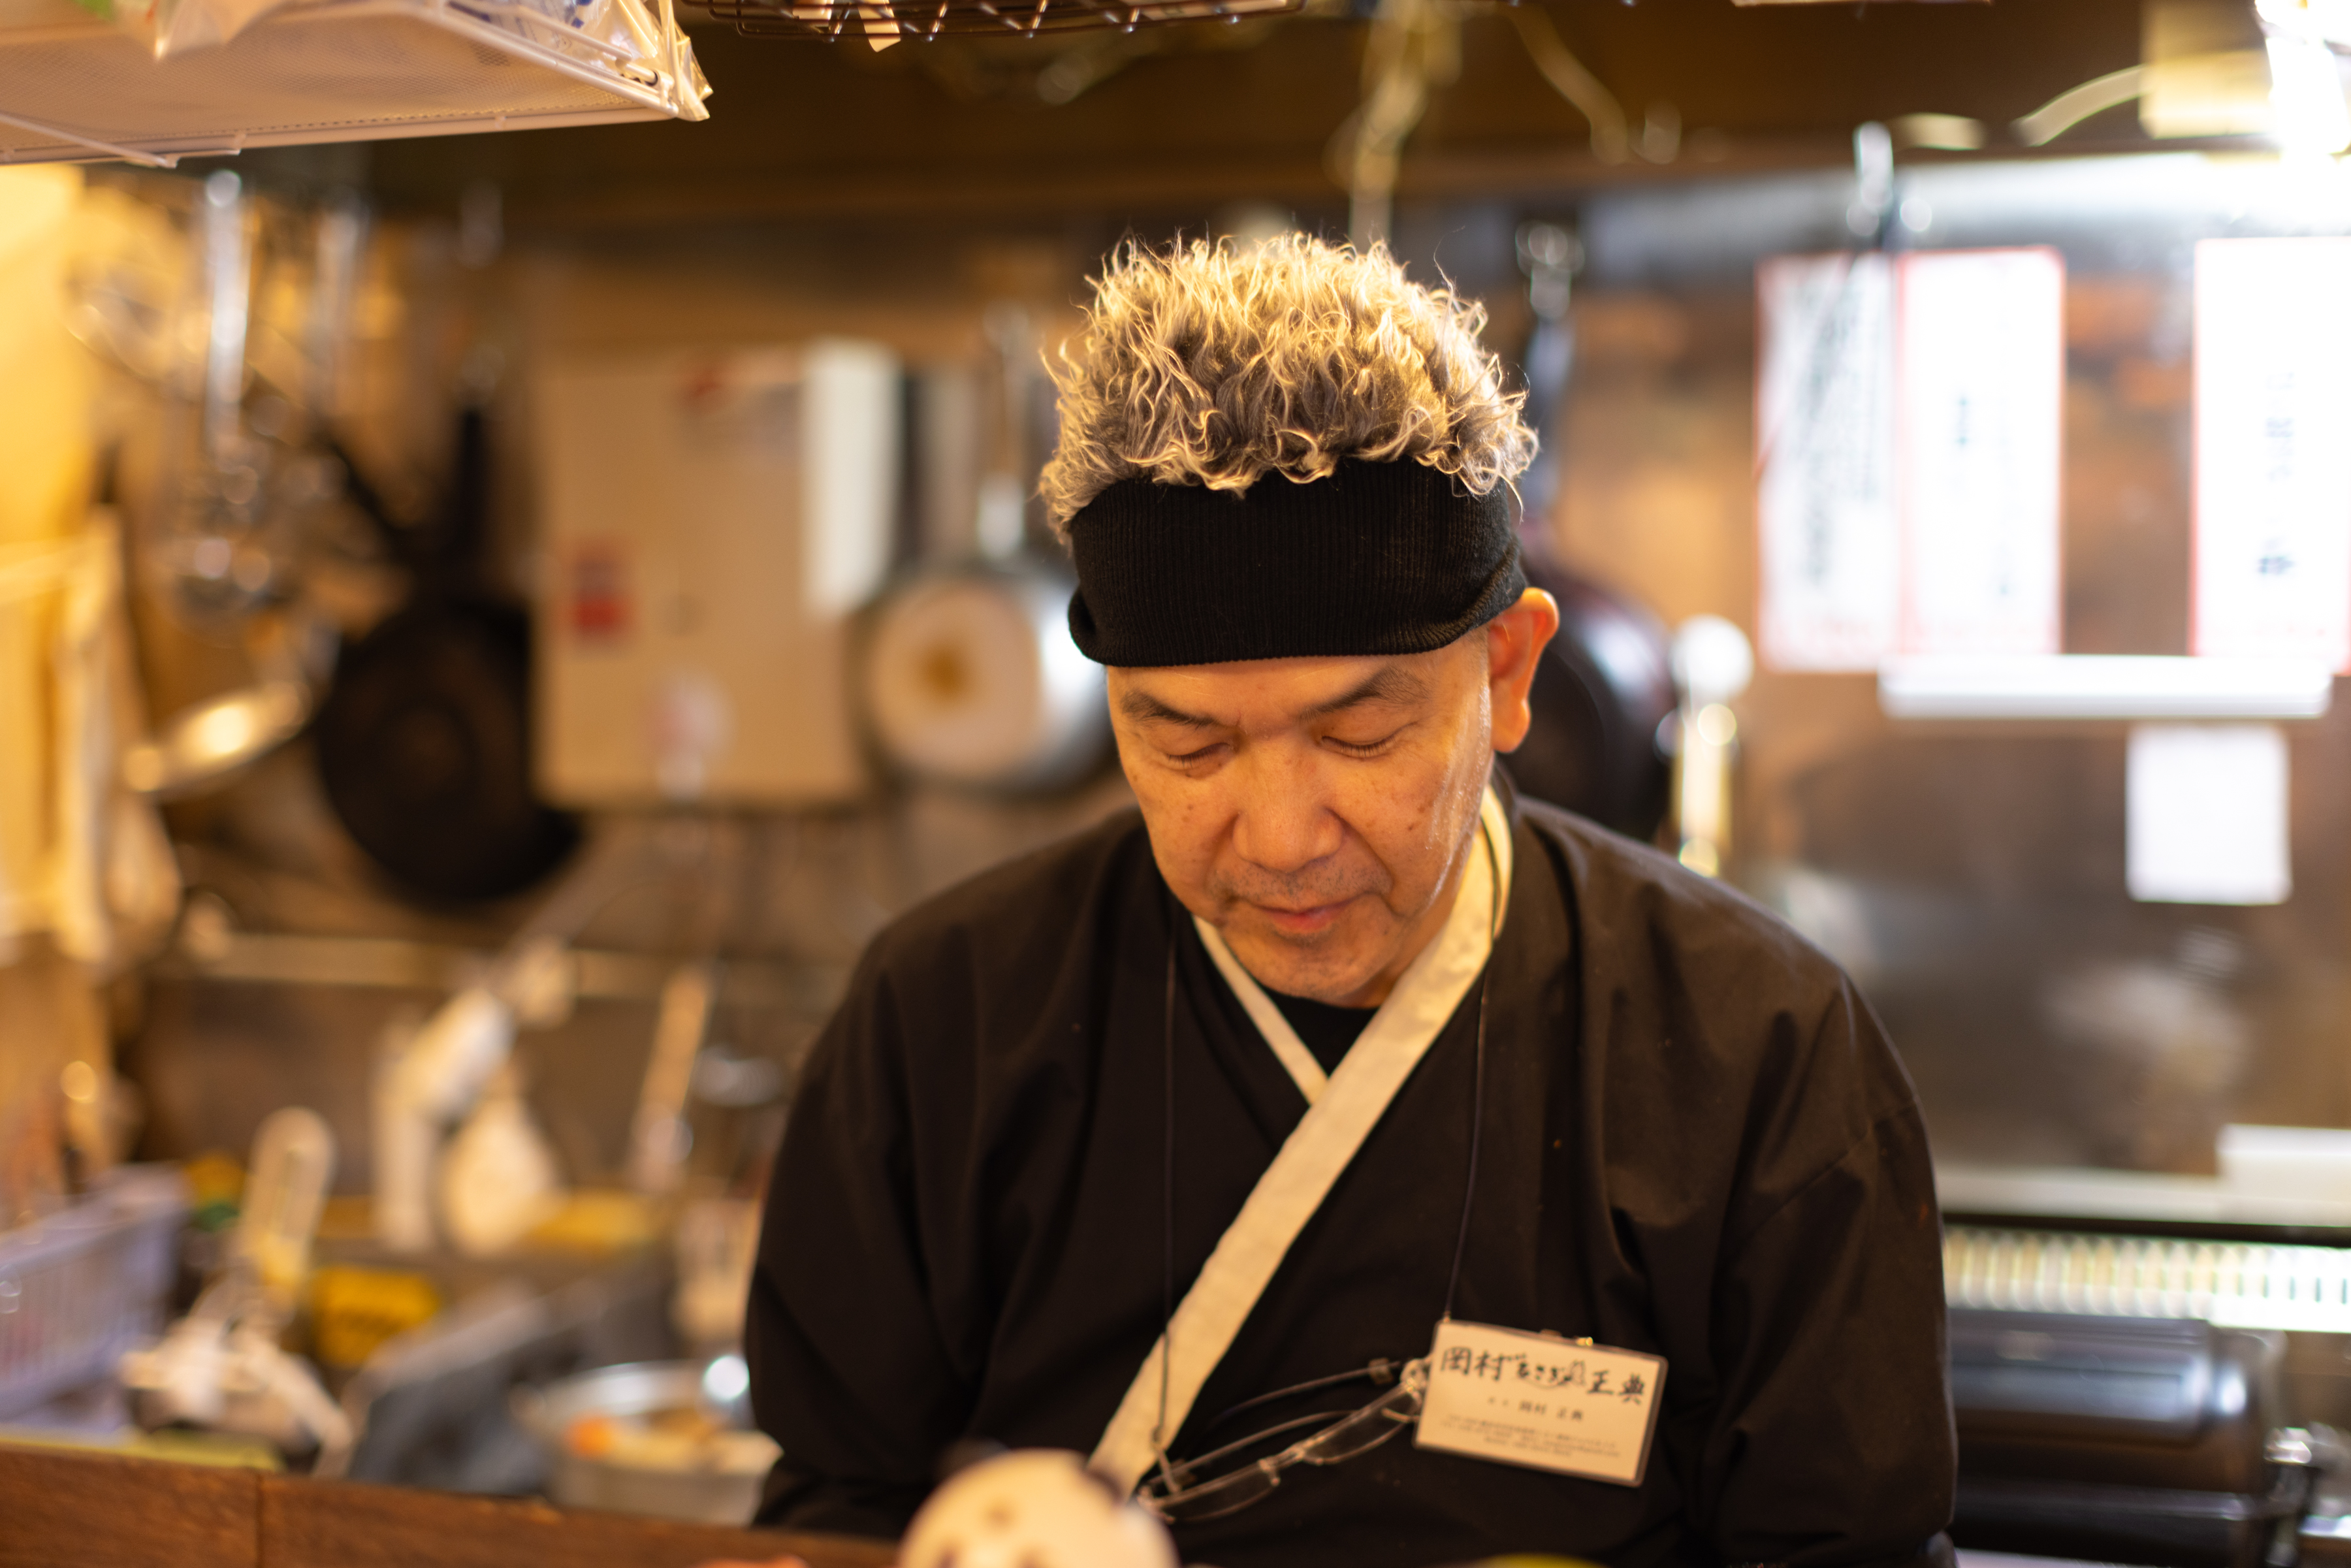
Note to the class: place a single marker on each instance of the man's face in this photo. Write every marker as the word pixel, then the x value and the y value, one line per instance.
pixel 1318 811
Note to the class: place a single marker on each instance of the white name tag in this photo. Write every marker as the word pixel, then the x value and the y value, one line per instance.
pixel 1537 1400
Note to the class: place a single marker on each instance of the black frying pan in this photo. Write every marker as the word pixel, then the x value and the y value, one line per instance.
pixel 423 742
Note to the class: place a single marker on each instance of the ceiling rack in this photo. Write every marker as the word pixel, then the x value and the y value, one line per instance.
pixel 74 87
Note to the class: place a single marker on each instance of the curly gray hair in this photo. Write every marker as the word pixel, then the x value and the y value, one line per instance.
pixel 1214 364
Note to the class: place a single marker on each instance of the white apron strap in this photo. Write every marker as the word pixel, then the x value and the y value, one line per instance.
pixel 1339 1117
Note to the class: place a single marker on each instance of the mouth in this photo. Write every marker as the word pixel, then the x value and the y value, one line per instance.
pixel 1311 921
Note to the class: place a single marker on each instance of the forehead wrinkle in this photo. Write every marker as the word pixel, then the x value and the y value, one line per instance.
pixel 1395 685
pixel 1391 683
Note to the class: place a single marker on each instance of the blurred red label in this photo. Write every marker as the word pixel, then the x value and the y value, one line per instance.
pixel 598 592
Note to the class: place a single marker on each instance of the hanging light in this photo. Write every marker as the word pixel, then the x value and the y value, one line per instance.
pixel 2306 94
pixel 2329 21
pixel 2312 120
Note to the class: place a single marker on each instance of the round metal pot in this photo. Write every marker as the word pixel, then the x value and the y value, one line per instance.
pixel 634 1389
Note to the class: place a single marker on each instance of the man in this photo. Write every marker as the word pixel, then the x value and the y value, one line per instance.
pixel 1181 1142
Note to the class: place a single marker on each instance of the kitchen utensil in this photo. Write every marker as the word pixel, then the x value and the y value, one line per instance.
pixel 218 562
pixel 496 1179
pixel 211 742
pixel 340 242
pixel 293 1166
pixel 435 1075
pixel 722 1489
pixel 659 1139
pixel 221 1368
pixel 1600 693
pixel 969 677
pixel 967 671
pixel 2153 1440
pixel 424 741
pixel 230 546
pixel 1549 255
pixel 124 289
pixel 717 1247
pixel 1605 684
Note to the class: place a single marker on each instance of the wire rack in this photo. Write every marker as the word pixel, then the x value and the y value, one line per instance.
pixel 75 87
pixel 888 21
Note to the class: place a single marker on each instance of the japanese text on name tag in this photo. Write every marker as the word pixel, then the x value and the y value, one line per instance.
pixel 1550 1404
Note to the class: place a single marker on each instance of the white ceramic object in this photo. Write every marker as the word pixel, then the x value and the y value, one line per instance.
pixel 497 1177
pixel 1033 1508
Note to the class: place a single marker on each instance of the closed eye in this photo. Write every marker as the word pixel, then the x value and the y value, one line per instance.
pixel 1362 747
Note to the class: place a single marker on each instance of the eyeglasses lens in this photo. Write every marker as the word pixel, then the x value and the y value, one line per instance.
pixel 1364 1430
pixel 1343 1439
pixel 1216 1498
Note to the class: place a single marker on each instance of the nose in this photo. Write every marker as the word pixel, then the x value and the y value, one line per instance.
pixel 1283 821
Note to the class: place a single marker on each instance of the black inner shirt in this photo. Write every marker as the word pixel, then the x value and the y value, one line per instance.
pixel 1324 1029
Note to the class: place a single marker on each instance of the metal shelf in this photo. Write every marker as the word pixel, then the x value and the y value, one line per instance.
pixel 2103 687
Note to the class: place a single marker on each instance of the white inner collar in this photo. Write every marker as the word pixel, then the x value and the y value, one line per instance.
pixel 1478 912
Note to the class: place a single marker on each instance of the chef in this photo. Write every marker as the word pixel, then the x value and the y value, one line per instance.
pixel 1364 1166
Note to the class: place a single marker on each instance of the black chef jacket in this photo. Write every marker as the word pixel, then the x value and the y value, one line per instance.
pixel 1697 1142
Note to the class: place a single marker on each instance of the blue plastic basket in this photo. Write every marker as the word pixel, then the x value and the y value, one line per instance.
pixel 86 1283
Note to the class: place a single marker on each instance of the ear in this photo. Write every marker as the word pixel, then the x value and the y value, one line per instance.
pixel 1514 643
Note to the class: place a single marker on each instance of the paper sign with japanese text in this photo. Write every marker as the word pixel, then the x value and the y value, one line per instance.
pixel 1542 1402
pixel 1982 379
pixel 1825 501
pixel 2272 566
pixel 1908 418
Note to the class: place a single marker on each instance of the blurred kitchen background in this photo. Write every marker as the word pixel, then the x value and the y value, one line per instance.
pixel 490 625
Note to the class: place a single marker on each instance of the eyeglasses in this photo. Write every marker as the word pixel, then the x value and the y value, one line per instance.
pixel 1177 1494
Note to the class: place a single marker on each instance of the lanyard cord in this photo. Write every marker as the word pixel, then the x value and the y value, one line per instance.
pixel 1477 1125
pixel 1160 1436
pixel 1476 1080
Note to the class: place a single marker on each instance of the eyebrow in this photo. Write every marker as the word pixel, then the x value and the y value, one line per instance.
pixel 1143 709
pixel 1393 684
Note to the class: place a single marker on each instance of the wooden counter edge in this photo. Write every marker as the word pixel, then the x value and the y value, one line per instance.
pixel 100 1511
pixel 60 1508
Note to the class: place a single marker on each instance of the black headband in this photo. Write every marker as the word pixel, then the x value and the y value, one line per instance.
pixel 1371 558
